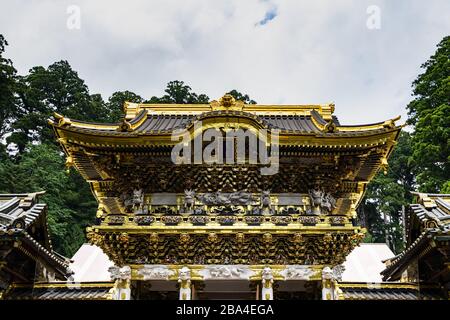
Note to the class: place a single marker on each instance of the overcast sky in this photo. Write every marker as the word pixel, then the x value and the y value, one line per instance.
pixel 279 52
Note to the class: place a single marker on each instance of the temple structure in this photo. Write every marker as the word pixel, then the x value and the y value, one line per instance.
pixel 225 228
pixel 426 259
pixel 230 200
pixel 26 253
pixel 29 267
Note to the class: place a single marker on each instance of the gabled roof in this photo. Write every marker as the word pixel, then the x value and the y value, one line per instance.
pixel 386 291
pixel 61 291
pixel 20 212
pixel 164 119
pixel 432 207
pixel 428 220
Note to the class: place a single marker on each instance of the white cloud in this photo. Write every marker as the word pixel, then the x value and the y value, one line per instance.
pixel 311 52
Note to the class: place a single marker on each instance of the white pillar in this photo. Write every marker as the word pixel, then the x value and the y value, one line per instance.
pixel 184 279
pixel 328 284
pixel 267 282
pixel 122 286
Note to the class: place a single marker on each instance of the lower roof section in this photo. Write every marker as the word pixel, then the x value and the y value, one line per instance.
pixel 387 291
pixel 61 291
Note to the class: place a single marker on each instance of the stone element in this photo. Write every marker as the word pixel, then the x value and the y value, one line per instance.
pixel 267 284
pixel 155 272
pixel 184 279
pixel 224 272
pixel 122 277
pixel 297 272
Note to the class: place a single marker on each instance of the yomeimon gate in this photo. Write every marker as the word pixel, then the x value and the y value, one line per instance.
pixel 185 213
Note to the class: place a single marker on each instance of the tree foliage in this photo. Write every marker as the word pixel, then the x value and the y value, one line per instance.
pixel 420 159
pixel 177 92
pixel 381 208
pixel 70 203
pixel 8 83
pixel 242 97
pixel 429 113
pixel 116 102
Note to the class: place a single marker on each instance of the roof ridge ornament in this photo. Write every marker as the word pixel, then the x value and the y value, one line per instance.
pixel 62 121
pixel 330 127
pixel 390 124
pixel 124 126
pixel 227 102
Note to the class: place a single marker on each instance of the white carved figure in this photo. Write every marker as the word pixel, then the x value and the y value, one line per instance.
pixel 138 199
pixel 265 199
pixel 297 273
pixel 328 203
pixel 328 284
pixel 189 199
pixel 338 271
pixel 122 276
pixel 238 272
pixel 184 279
pixel 149 272
pixel 225 272
pixel 267 282
pixel 321 201
pixel 315 196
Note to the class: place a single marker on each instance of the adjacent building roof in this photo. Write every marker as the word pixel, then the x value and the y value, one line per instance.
pixel 61 291
pixel 386 291
pixel 19 213
pixel 428 221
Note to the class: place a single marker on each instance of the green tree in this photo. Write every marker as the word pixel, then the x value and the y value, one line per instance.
pixel 242 97
pixel 8 87
pixel 71 206
pixel 429 113
pixel 116 102
pixel 178 92
pixel 45 91
pixel 381 208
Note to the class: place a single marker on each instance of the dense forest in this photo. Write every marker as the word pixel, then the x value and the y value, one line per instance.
pixel 31 160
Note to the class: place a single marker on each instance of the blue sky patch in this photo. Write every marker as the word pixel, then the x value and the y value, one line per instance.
pixel 270 15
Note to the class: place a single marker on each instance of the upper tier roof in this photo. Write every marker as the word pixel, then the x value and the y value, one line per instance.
pixel 163 119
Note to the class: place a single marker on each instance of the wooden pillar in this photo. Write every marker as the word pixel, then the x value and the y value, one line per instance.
pixel 257 291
